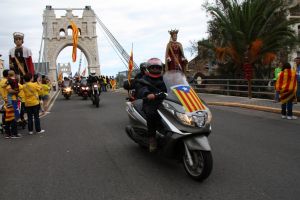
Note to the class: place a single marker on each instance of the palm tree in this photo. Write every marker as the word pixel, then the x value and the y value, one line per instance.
pixel 252 31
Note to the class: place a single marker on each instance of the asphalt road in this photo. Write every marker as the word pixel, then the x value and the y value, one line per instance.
pixel 85 154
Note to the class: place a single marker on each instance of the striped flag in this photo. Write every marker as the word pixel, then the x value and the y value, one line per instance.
pixel 75 40
pixel 188 97
pixel 60 76
pixel 130 65
pixel 286 84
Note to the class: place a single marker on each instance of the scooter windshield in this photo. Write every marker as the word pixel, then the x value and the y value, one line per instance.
pixel 179 90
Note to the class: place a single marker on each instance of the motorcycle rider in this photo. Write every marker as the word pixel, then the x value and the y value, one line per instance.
pixel 93 78
pixel 135 85
pixel 66 82
pixel 152 84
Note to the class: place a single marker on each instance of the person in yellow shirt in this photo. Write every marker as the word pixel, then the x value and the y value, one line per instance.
pixel 22 99
pixel 45 94
pixel 3 85
pixel 12 93
pixel 32 103
pixel 3 92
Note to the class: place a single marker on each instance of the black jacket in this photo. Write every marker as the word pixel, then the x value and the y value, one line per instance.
pixel 151 86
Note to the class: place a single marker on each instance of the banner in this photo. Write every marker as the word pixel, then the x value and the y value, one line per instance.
pixel 60 76
pixel 188 97
pixel 75 40
pixel 130 65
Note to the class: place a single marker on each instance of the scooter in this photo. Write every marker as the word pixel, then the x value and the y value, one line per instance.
pixel 95 94
pixel 185 126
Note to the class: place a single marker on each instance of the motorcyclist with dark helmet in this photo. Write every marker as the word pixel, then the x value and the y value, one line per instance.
pixel 143 67
pixel 152 84
pixel 134 85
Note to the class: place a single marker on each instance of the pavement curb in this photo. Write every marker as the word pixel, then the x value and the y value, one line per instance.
pixel 248 106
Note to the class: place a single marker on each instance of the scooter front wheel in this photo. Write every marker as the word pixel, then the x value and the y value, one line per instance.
pixel 201 165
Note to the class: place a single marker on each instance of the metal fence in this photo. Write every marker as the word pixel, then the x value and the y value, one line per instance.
pixel 260 88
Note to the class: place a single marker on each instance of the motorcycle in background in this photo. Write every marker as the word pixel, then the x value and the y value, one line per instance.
pixel 67 89
pixel 95 94
pixel 84 89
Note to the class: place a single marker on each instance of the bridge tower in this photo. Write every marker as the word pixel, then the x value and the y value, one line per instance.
pixel 56 37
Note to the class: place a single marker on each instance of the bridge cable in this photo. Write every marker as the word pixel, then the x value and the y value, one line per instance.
pixel 118 46
pixel 115 50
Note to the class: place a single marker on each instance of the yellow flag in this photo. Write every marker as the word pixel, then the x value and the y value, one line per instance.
pixel 130 65
pixel 60 76
pixel 75 40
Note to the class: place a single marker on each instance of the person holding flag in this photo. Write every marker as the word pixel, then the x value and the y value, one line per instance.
pixel 286 85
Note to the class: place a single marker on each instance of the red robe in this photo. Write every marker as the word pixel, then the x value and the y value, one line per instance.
pixel 25 60
pixel 178 61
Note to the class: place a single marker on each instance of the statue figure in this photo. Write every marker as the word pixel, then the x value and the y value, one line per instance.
pixel 175 59
pixel 20 57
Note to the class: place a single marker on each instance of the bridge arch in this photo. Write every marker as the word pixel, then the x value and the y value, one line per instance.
pixel 56 37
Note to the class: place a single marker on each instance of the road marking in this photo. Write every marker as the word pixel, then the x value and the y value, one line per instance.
pixel 50 106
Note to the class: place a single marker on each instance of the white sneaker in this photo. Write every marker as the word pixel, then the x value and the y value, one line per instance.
pixel 30 132
pixel 283 117
pixel 41 131
pixel 292 117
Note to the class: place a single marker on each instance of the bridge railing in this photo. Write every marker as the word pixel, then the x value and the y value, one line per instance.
pixel 261 88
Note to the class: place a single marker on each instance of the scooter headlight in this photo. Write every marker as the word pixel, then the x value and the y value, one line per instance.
pixel 198 119
pixel 185 119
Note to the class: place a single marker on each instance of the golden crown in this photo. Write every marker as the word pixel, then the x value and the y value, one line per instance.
pixel 172 32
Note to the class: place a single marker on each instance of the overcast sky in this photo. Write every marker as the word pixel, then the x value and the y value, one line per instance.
pixel 145 23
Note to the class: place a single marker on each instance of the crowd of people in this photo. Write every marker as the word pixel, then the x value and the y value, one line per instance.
pixel 22 91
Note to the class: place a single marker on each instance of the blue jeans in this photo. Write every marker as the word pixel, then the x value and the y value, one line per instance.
pixel 287 108
pixel 33 112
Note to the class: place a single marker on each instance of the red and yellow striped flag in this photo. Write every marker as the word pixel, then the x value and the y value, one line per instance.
pixel 188 97
pixel 60 76
pixel 286 84
pixel 9 114
pixel 130 65
pixel 75 40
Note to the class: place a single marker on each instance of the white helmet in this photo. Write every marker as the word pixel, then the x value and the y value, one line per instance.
pixel 93 72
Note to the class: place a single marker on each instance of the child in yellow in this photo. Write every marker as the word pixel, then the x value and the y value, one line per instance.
pixel 22 99
pixel 45 94
pixel 32 103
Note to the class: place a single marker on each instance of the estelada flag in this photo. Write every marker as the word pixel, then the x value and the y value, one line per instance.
pixel 75 40
pixel 286 84
pixel 188 97
pixel 130 65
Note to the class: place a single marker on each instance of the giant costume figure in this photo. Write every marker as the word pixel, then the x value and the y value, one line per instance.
pixel 20 57
pixel 175 59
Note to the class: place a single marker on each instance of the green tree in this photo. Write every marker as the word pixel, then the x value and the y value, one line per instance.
pixel 252 30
